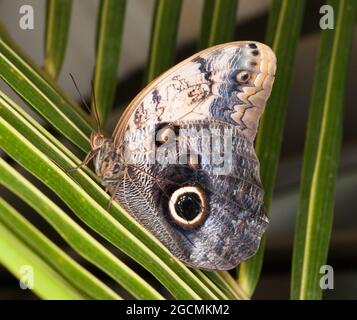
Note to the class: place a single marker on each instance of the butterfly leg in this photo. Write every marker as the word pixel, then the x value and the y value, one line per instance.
pixel 115 189
pixel 86 160
pixel 112 197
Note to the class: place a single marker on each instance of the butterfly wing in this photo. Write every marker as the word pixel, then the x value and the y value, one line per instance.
pixel 210 84
pixel 209 219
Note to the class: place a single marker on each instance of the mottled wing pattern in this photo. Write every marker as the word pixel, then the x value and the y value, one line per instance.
pixel 221 88
pixel 207 86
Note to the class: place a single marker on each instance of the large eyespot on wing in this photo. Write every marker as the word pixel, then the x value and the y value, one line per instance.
pixel 227 83
pixel 209 221
pixel 187 206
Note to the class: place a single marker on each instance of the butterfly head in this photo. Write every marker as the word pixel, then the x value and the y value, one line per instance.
pixel 107 161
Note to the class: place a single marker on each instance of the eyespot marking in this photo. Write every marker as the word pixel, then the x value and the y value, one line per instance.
pixel 188 206
pixel 243 76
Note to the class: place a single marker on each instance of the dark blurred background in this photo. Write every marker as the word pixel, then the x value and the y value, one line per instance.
pixel 251 25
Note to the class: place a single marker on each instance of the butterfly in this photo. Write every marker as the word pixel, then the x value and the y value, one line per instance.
pixel 181 159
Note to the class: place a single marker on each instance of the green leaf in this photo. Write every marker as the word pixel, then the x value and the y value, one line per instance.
pixel 282 35
pixel 227 278
pixel 69 269
pixel 58 16
pixel 225 281
pixel 39 138
pixel 220 294
pixel 217 23
pixel 321 154
pixel 42 94
pixel 206 20
pixel 163 37
pixel 76 236
pixel 18 259
pixel 109 35
pixel 31 129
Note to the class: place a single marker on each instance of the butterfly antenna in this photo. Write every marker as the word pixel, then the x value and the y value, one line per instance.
pixel 84 101
pixel 95 106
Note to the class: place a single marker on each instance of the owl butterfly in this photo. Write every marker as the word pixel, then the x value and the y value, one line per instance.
pixel 208 213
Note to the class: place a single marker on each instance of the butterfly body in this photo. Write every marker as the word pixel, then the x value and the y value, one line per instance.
pixel 182 161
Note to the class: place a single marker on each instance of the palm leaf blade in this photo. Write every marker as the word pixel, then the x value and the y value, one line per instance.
pixel 218 22
pixel 109 34
pixel 163 37
pixel 42 94
pixel 57 26
pixel 74 273
pixel 20 260
pixel 321 155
